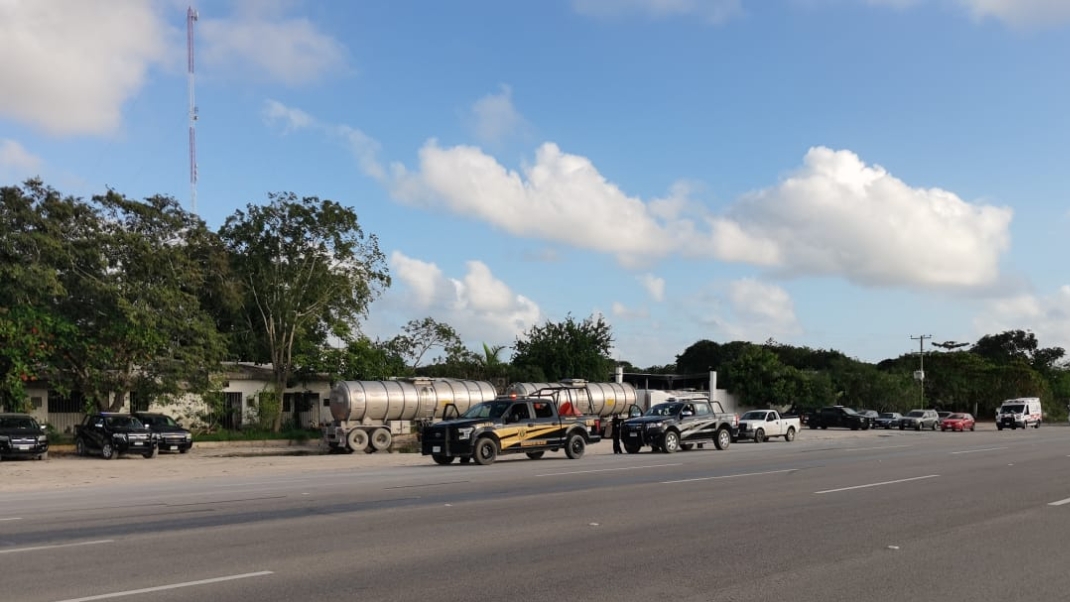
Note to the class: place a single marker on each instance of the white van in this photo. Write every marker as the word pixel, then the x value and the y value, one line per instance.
pixel 1019 413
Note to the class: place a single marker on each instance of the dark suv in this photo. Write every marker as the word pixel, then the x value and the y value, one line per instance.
pixel 22 436
pixel 113 434
pixel 920 419
pixel 838 416
pixel 170 435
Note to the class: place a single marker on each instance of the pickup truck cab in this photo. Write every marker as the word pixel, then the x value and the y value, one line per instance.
pixel 680 424
pixel 111 435
pixel 508 426
pixel 762 425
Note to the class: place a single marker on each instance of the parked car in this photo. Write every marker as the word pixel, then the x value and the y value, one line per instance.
pixel 943 414
pixel 169 434
pixel 887 420
pixel 958 422
pixel 21 436
pixel 112 435
pixel 762 425
pixel 837 416
pixel 871 415
pixel 920 419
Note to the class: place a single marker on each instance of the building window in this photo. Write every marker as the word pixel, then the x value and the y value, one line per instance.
pixel 66 404
pixel 139 402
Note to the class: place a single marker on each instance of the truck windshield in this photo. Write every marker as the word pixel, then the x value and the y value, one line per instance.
pixel 18 422
pixel 665 409
pixel 123 422
pixel 1015 409
pixel 753 416
pixel 489 409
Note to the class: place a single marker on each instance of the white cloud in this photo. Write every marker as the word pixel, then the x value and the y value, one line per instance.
pixel 16 162
pixel 835 216
pixel 1021 13
pixel 258 39
pixel 761 310
pixel 622 311
pixel 494 118
pixel 364 148
pixel 1048 316
pixel 70 65
pixel 477 305
pixel 712 11
pixel 654 286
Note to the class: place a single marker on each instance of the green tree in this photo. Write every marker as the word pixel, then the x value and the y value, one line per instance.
pixel 418 337
pixel 307 272
pixel 567 349
pixel 134 282
pixel 1018 345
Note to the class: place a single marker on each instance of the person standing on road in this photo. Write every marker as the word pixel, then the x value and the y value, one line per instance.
pixel 616 425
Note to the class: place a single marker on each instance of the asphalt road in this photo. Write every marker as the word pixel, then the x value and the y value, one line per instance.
pixel 981 516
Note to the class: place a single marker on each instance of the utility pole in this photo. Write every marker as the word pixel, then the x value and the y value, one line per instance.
pixel 920 374
pixel 191 18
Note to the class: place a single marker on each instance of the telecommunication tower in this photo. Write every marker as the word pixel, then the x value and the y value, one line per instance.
pixel 191 18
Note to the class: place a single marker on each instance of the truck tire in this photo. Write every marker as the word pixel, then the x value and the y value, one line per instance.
pixel 357 439
pixel 536 455
pixel 631 448
pixel 441 459
pixel 790 435
pixel 575 446
pixel 485 451
pixel 107 451
pixel 79 447
pixel 722 439
pixel 759 436
pixel 689 446
pixel 149 454
pixel 670 442
pixel 381 439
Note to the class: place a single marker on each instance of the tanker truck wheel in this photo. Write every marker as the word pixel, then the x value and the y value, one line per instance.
pixel 381 439
pixel 357 439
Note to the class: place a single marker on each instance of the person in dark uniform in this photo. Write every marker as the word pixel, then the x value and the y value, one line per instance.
pixel 616 424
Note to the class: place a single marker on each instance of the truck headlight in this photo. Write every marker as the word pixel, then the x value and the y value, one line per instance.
pixel 42 438
pixel 654 425
pixel 189 436
pixel 119 436
pixel 5 439
pixel 465 432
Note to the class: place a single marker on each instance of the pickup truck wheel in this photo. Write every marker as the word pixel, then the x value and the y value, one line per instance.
pixel 631 448
pixel 759 436
pixel 670 443
pixel 575 446
pixel 536 455
pixel 486 451
pixel 723 439
pixel 107 451
pixel 790 435
pixel 357 439
pixel 149 454
pixel 441 459
pixel 688 446
pixel 79 447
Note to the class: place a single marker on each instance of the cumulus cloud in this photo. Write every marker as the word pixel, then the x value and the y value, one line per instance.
pixel 259 39
pixel 712 11
pixel 494 118
pixel 477 304
pixel 1046 315
pixel 834 216
pixel 70 65
pixel 654 286
pixel 762 310
pixel 16 162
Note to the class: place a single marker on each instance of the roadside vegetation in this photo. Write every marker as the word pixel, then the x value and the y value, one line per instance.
pixel 113 297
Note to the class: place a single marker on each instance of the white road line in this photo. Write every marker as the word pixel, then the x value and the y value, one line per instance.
pixel 730 476
pixel 974 451
pixel 12 518
pixel 928 476
pixel 53 547
pixel 160 588
pixel 555 474
pixel 869 448
pixel 1061 502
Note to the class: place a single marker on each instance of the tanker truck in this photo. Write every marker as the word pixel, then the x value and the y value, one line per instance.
pixel 366 414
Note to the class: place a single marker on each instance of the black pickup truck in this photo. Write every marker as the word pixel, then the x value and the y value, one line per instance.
pixel 111 435
pixel 680 424
pixel 838 416
pixel 508 426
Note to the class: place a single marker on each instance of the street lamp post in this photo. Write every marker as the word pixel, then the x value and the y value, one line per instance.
pixel 919 374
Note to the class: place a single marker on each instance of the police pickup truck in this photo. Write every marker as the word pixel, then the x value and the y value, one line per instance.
pixel 680 424
pixel 508 425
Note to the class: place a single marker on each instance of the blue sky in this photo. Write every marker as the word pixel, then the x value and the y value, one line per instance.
pixel 834 173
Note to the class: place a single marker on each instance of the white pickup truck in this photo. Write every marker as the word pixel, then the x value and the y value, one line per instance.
pixel 762 425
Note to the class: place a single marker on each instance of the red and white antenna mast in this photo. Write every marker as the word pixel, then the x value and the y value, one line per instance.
pixel 191 18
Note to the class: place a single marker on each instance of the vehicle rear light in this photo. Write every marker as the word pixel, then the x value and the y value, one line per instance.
pixel 735 419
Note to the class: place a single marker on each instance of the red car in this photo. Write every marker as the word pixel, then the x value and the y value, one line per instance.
pixel 958 422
